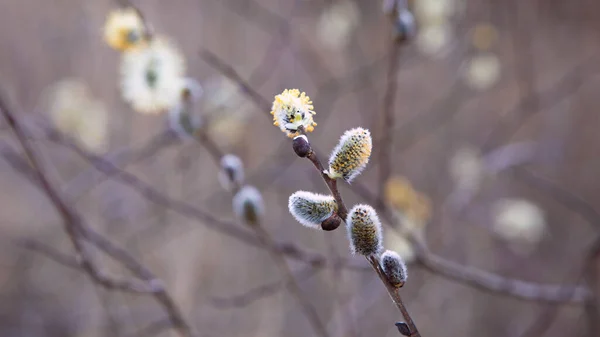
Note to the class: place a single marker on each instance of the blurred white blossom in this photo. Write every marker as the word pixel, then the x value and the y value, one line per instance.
pixel 152 77
pixel 400 244
pixel 337 23
pixel 482 71
pixel 519 220
pixel 74 112
pixel 434 12
pixel 434 39
pixel 466 168
pixel 226 110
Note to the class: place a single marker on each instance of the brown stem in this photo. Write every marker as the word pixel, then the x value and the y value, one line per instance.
pixel 395 295
pixel 77 230
pixel 331 184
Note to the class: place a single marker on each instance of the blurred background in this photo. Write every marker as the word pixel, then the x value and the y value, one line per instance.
pixel 492 139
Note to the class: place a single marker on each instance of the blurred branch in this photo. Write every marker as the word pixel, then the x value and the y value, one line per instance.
pixel 153 328
pixel 50 253
pixel 491 282
pixel 150 193
pixel 260 292
pixel 387 114
pixel 214 61
pixel 76 230
pixel 592 309
pixel 566 86
pixel 565 197
pixel 291 283
pixel 124 157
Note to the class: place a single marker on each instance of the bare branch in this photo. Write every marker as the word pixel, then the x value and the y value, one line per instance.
pixel 491 282
pixel 387 117
pixel 260 292
pixel 75 228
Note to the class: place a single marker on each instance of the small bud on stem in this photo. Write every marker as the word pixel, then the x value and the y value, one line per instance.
pixel 331 223
pixel 301 146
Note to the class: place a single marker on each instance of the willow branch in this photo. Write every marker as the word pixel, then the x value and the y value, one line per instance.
pixel 395 295
pixel 343 213
pixel 331 184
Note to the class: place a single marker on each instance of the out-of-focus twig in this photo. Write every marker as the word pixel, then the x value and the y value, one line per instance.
pixel 254 294
pixel 77 231
pixel 213 60
pixel 592 309
pixel 291 283
pixel 387 115
pixel 510 287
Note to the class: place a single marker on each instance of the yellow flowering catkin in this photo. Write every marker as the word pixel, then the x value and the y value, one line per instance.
pixel 364 231
pixel 311 209
pixel 293 112
pixel 124 29
pixel 351 155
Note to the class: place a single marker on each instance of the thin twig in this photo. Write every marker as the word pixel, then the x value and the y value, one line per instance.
pixel 395 295
pixel 254 294
pixel 213 60
pixel 76 229
pixel 387 120
pixel 489 281
pixel 331 184
pixel 292 284
pixel 592 309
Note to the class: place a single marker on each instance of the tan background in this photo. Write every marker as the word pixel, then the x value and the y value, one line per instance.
pixel 540 42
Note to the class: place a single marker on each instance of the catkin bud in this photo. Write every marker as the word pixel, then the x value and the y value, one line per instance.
pixel 231 174
pixel 248 205
pixel 405 26
pixel 183 117
pixel 403 328
pixel 351 154
pixel 311 209
pixel 394 268
pixel 364 231
pixel 301 146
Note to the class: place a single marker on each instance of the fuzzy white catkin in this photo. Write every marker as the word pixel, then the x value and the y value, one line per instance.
pixel 364 231
pixel 311 209
pixel 394 268
pixel 231 174
pixel 183 117
pixel 248 205
pixel 351 155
